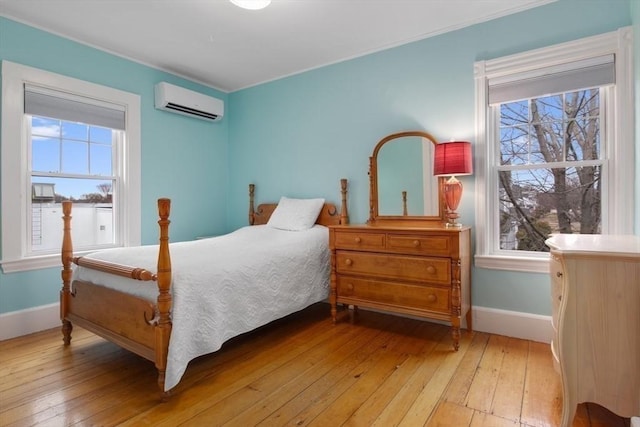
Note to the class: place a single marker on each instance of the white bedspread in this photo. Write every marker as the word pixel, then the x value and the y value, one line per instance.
pixel 227 285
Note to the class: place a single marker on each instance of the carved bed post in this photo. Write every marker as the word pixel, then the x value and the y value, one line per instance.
pixel 66 255
pixel 344 213
pixel 252 212
pixel 163 327
pixel 404 204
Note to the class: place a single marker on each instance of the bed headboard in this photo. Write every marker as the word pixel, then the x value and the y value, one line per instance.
pixel 329 215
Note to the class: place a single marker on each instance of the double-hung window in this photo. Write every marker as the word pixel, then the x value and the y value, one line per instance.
pixel 66 139
pixel 555 138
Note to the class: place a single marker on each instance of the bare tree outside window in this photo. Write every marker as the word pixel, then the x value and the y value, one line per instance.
pixel 550 168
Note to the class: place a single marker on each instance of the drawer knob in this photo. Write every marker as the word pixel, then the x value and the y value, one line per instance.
pixel 416 243
pixel 348 261
pixel 431 269
pixel 432 298
pixel 559 274
pixel 358 239
pixel 350 286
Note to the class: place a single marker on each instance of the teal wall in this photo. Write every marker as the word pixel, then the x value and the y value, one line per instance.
pixel 182 158
pixel 299 135
pixel 635 19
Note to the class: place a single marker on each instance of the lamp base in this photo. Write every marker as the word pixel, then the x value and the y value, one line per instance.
pixel 452 195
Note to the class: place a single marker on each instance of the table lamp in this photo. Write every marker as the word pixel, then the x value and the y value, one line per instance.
pixel 451 159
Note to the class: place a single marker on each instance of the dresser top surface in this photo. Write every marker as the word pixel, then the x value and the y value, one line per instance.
pixel 628 245
pixel 387 227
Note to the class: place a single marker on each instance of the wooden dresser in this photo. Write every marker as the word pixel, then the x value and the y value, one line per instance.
pixel 595 291
pixel 417 271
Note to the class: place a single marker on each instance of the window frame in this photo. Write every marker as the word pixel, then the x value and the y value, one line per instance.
pixel 618 190
pixel 15 163
pixel 117 141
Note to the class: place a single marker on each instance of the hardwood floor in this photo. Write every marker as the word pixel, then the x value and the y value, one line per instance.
pixel 382 370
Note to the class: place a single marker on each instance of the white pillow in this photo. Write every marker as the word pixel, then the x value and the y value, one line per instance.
pixel 295 214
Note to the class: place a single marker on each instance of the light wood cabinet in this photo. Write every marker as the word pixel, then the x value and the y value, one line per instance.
pixel 595 291
pixel 422 272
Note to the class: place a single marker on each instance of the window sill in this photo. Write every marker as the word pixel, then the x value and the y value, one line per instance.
pixel 513 263
pixel 34 263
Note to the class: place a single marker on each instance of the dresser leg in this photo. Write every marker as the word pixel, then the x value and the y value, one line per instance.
pixel 455 334
pixel 353 313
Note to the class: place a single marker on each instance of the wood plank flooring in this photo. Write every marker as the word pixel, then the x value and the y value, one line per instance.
pixel 381 370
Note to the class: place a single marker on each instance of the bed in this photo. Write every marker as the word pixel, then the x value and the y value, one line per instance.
pixel 218 287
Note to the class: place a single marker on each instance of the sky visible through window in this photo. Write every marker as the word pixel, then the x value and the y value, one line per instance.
pixel 76 157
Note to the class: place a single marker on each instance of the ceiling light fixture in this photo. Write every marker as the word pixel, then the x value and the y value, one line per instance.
pixel 251 4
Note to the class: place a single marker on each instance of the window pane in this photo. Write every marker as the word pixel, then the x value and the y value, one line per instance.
pixel 563 127
pixel 582 132
pixel 45 154
pixel 514 145
pixel 99 134
pixel 92 212
pixel 100 159
pixel 41 126
pixel 584 139
pixel 514 113
pixel 535 203
pixel 547 129
pixel 547 109
pixel 583 103
pixel 75 156
pixel 77 131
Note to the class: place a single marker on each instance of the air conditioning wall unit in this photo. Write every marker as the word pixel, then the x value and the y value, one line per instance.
pixel 179 100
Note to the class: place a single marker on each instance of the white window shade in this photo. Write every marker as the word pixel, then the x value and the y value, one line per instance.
pixel 39 101
pixel 577 75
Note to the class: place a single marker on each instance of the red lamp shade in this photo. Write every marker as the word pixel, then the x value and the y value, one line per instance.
pixel 453 158
pixel 450 159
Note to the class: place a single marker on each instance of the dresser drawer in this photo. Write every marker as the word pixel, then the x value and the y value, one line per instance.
pixel 395 294
pixel 422 269
pixel 361 241
pixel 417 244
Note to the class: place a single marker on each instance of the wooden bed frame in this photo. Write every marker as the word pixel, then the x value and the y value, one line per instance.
pixel 139 325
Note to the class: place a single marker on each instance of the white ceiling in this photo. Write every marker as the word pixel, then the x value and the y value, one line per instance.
pixel 218 44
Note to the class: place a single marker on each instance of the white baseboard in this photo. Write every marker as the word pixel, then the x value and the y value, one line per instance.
pixel 25 322
pixel 528 326
pixel 534 327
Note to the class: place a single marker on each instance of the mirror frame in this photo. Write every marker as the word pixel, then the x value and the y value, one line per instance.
pixel 405 220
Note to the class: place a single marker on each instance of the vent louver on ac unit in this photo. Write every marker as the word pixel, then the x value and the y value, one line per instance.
pixel 179 100
pixel 191 111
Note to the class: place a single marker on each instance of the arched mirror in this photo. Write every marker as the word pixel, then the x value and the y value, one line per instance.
pixel 402 185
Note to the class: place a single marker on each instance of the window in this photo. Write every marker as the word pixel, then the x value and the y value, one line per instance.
pixel 550 168
pixel 66 139
pixel 73 161
pixel 555 139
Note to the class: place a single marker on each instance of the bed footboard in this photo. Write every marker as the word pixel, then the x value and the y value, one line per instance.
pixel 133 323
